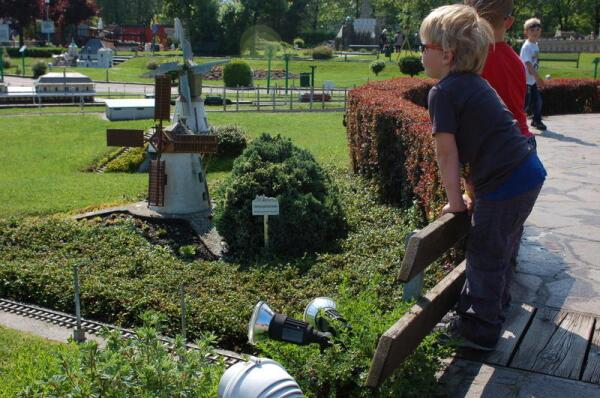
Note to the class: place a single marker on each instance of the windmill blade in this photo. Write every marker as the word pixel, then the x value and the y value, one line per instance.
pixel 205 68
pixel 183 41
pixel 164 69
pixel 125 137
pixel 186 95
pixel 162 98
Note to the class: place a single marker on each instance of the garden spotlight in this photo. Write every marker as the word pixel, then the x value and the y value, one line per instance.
pixel 265 323
pixel 321 313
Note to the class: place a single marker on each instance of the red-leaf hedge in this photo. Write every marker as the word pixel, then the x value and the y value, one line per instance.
pixel 389 134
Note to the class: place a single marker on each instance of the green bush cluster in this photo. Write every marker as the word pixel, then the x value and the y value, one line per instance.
pixel 39 68
pixel 129 162
pixel 322 52
pixel 310 213
pixel 152 65
pixel 231 140
pixel 410 66
pixel 298 42
pixel 36 52
pixel 137 367
pixel 237 73
pixel 377 67
pixel 316 37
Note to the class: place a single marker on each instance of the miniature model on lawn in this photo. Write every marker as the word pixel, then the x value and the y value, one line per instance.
pixel 177 186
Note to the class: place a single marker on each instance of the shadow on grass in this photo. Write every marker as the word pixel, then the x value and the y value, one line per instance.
pixel 214 164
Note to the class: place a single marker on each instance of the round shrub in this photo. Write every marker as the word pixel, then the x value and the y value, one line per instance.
pixel 377 67
pixel 39 68
pixel 311 216
pixel 237 73
pixel 298 42
pixel 322 52
pixel 410 65
pixel 231 140
pixel 6 62
pixel 152 65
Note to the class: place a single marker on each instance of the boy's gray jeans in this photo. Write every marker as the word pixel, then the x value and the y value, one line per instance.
pixel 493 241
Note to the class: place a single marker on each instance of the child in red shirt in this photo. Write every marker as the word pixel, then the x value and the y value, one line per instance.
pixel 503 68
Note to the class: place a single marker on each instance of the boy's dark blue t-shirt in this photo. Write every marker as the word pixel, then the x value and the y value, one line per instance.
pixel 488 138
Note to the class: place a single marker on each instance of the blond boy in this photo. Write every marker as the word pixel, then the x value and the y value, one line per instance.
pixel 473 128
pixel 530 57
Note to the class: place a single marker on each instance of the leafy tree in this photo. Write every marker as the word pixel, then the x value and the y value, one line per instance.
pixel 200 18
pixel 135 12
pixel 20 13
pixel 67 14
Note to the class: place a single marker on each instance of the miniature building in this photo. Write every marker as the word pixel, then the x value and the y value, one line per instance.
pixel 129 109
pixel 96 54
pixel 50 88
pixel 363 30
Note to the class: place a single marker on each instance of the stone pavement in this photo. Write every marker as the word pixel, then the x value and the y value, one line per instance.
pixel 559 260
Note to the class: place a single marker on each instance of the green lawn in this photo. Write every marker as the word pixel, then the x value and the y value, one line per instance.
pixel 344 74
pixel 25 358
pixel 43 157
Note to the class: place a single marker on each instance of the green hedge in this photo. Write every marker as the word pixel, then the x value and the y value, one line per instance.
pixel 310 214
pixel 322 52
pixel 316 38
pixel 231 140
pixel 129 162
pixel 36 52
pixel 569 96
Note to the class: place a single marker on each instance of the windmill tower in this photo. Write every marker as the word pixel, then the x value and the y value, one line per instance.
pixel 177 178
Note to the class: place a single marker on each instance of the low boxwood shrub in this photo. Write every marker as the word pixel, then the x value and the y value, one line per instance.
pixel 136 367
pixel 310 218
pixel 39 68
pixel 237 73
pixel 322 52
pixel 411 66
pixel 377 67
pixel 152 65
pixel 231 140
pixel 129 162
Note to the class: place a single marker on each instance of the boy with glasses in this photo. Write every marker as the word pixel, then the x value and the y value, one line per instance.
pixel 530 57
pixel 474 129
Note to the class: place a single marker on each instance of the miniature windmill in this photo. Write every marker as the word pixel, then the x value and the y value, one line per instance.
pixel 177 179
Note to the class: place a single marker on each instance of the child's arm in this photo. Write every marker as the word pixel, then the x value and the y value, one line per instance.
pixel 447 157
pixel 531 69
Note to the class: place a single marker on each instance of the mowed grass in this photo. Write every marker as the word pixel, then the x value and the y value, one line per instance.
pixel 344 74
pixel 44 157
pixel 25 358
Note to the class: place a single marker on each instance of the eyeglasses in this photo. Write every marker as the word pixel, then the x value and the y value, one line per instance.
pixel 424 47
pixel 535 26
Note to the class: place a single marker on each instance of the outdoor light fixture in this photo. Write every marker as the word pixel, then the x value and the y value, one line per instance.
pixel 265 323
pixel 321 314
pixel 258 378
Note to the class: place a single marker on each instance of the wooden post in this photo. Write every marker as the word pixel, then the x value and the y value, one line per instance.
pixel 183 312
pixel 266 228
pixel 291 98
pixel 323 97
pixel 273 97
pixel 312 93
pixel 224 98
pixel 237 99
pixel 258 98
pixel 345 98
pixel 78 333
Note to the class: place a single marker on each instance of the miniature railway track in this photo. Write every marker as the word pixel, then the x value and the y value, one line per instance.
pixel 92 327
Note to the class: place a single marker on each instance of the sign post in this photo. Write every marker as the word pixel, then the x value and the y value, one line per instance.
pixel 22 51
pixel 265 206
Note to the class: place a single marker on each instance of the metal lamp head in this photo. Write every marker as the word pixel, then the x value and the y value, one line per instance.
pixel 258 328
pixel 315 306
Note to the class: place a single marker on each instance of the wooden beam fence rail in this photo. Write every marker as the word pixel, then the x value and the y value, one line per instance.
pixel 423 248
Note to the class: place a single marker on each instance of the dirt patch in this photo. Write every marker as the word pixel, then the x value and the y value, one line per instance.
pixel 177 235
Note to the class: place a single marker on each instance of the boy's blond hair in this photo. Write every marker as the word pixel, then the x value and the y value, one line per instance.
pixel 530 22
pixel 458 28
pixel 493 11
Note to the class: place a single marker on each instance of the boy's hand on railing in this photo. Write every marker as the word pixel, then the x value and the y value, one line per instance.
pixel 468 202
pixel 454 208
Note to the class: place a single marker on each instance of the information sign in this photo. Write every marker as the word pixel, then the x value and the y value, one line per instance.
pixel 265 206
pixel 4 33
pixel 47 27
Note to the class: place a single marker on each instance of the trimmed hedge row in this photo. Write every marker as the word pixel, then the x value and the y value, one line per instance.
pixel 36 52
pixel 390 138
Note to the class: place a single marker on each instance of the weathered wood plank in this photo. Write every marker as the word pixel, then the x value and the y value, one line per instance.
pixel 556 344
pixel 431 242
pixel 591 373
pixel 517 318
pixel 399 341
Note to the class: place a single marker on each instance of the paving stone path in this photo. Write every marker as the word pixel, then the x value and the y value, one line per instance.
pixel 559 261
